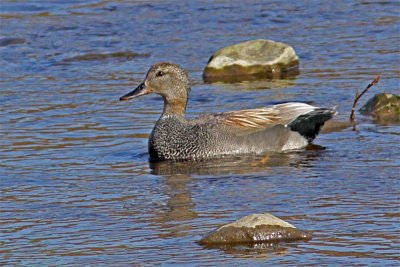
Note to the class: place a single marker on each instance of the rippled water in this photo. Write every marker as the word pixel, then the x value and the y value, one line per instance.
pixel 77 188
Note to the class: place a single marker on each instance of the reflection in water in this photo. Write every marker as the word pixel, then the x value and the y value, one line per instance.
pixel 249 85
pixel 180 205
pixel 281 79
pixel 257 250
pixel 238 165
pixel 179 208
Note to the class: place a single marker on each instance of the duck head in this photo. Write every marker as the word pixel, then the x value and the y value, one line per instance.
pixel 168 80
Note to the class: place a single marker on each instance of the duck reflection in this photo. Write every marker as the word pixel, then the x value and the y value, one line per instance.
pixel 175 220
pixel 179 208
pixel 238 165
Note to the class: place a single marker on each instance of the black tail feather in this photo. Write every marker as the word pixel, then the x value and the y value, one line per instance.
pixel 309 125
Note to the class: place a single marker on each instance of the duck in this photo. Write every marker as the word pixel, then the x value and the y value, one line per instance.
pixel 275 128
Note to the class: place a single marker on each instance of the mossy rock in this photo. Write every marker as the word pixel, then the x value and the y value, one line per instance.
pixel 383 107
pixel 252 59
pixel 255 228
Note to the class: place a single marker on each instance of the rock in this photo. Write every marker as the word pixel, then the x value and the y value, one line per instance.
pixel 250 60
pixel 128 55
pixel 11 41
pixel 384 107
pixel 255 228
pixel 336 126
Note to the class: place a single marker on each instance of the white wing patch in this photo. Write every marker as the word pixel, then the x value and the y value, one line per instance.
pixel 292 110
pixel 268 116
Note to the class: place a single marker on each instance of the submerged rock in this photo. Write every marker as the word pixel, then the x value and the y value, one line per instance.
pixel 11 41
pixel 255 228
pixel 384 107
pixel 336 126
pixel 98 56
pixel 252 59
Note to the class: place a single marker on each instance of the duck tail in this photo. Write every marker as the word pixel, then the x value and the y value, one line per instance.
pixel 309 124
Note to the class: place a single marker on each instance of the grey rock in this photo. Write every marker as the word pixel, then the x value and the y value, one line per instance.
pixel 252 59
pixel 384 107
pixel 255 228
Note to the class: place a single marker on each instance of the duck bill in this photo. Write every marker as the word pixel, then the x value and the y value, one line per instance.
pixel 142 89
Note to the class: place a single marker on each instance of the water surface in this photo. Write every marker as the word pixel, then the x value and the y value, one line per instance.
pixel 76 186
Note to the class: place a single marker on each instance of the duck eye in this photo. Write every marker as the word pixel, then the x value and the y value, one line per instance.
pixel 160 73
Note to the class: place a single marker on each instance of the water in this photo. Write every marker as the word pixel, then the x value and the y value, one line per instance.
pixel 76 185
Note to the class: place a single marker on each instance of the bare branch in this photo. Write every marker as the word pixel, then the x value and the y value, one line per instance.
pixel 358 96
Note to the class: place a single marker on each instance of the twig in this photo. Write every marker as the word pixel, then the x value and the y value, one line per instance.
pixel 358 96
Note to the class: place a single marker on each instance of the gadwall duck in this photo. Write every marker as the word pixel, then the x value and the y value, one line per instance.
pixel 281 127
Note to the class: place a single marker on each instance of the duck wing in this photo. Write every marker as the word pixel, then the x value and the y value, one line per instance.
pixel 248 121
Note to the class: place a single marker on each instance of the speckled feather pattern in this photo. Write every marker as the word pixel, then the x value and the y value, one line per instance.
pixel 176 138
pixel 268 129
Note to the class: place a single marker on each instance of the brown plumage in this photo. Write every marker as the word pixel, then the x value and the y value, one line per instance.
pixel 272 128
